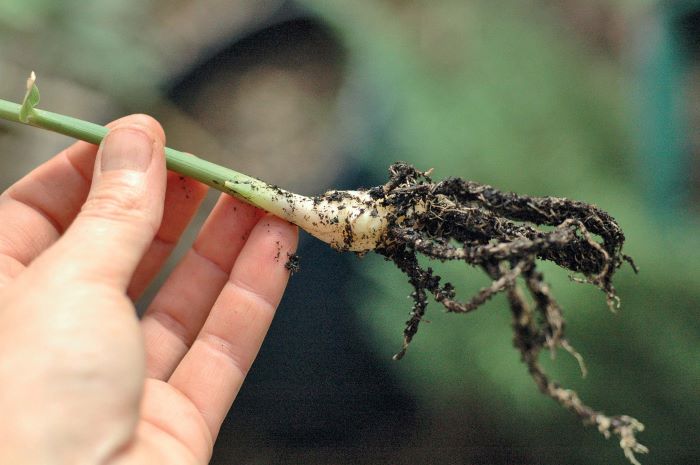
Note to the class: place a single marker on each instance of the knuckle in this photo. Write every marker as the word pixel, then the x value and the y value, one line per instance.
pixel 121 205
pixel 225 348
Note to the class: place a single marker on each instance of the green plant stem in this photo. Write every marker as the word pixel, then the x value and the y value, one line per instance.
pixel 226 180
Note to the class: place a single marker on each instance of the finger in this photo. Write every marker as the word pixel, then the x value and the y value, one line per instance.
pixel 183 196
pixel 123 209
pixel 178 311
pixel 39 208
pixel 169 414
pixel 212 371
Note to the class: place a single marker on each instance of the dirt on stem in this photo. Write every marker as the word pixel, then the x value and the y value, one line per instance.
pixel 505 234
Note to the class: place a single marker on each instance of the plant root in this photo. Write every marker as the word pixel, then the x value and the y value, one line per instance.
pixel 504 234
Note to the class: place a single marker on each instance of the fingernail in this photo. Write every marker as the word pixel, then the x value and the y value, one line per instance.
pixel 126 149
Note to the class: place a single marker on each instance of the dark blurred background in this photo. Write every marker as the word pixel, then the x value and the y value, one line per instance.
pixel 597 100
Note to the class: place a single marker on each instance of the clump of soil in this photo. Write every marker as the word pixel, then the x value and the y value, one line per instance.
pixel 505 234
pixel 293 264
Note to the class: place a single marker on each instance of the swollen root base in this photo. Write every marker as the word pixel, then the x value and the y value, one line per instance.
pixel 505 234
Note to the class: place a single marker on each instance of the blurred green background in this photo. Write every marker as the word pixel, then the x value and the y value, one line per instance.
pixel 597 100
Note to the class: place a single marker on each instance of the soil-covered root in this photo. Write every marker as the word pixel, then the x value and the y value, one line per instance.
pixel 504 234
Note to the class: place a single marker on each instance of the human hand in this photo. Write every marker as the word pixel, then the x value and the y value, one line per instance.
pixel 82 380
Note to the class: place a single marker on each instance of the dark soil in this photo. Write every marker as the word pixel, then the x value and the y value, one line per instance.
pixel 293 263
pixel 505 234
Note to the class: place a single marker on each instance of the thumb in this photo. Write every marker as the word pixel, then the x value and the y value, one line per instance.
pixel 124 207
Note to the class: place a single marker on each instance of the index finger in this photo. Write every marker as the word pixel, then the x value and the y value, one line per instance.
pixel 37 209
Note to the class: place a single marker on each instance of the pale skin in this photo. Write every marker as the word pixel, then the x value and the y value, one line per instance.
pixel 82 379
